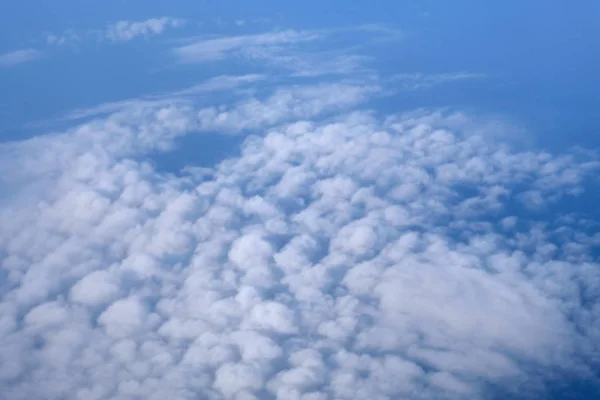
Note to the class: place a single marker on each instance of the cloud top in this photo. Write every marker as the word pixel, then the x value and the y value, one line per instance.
pixel 339 253
pixel 357 257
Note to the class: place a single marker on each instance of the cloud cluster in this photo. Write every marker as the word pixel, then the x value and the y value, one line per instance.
pixel 353 257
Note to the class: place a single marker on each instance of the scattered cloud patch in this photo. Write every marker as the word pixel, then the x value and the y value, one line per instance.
pixel 128 30
pixel 17 57
pixel 214 49
pixel 69 37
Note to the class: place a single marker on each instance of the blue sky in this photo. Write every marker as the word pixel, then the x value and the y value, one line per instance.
pixel 540 58
pixel 264 200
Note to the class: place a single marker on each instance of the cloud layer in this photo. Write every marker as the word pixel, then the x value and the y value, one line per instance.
pixel 353 257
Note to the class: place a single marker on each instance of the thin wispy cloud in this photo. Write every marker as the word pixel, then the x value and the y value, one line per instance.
pixel 17 57
pixel 304 53
pixel 216 84
pixel 128 30
pixel 341 251
pixel 416 81
pixel 214 49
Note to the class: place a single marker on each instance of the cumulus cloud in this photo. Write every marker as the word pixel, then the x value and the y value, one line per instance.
pixel 353 257
pixel 17 57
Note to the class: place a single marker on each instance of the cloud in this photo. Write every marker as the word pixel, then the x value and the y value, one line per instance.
pixel 308 53
pixel 204 50
pixel 212 85
pixel 242 116
pixel 357 256
pixel 17 57
pixel 69 37
pixel 120 31
pixel 128 30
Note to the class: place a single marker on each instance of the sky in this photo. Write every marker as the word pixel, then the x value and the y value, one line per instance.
pixel 299 201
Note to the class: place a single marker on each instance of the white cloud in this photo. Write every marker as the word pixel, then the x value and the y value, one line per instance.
pixel 248 113
pixel 342 254
pixel 128 30
pixel 96 288
pixel 218 48
pixel 123 317
pixel 17 57
pixel 353 257
pixel 120 31
pixel 216 84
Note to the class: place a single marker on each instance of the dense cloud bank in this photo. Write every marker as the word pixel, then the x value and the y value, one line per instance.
pixel 358 257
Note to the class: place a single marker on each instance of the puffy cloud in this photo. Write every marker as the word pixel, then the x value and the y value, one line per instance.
pixel 128 30
pixel 353 257
pixel 95 288
pixel 17 57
